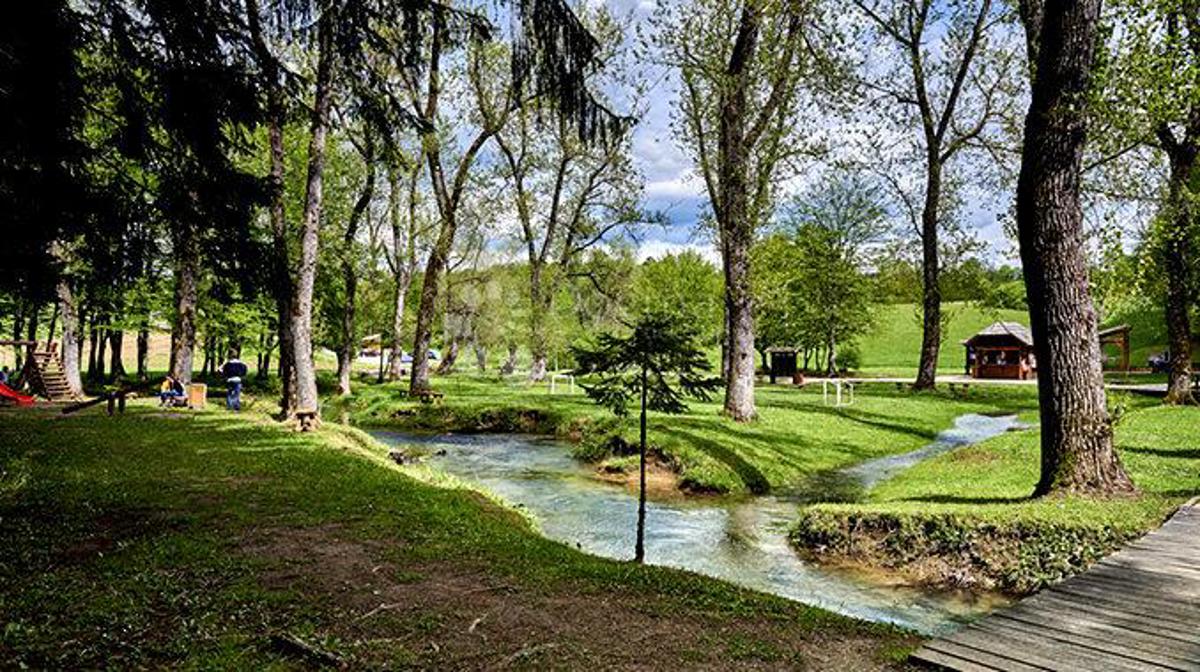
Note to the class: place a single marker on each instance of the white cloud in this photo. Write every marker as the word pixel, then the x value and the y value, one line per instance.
pixel 657 249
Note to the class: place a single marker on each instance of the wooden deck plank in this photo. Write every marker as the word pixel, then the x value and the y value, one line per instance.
pixel 1134 611
pixel 951 656
pixel 1043 653
pixel 1133 620
pixel 1110 642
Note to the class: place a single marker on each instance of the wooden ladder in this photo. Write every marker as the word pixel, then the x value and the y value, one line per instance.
pixel 45 375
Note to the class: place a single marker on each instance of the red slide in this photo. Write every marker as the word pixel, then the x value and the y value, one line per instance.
pixel 7 392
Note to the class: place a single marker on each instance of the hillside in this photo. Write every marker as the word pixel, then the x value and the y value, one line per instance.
pixel 893 345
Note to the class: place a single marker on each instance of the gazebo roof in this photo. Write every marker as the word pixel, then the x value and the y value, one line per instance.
pixel 1013 329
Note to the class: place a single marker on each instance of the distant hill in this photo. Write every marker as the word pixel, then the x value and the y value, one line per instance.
pixel 893 345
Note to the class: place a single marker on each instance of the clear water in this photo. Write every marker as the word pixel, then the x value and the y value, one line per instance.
pixel 743 541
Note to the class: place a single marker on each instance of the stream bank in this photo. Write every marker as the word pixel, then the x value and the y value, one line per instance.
pixel 744 540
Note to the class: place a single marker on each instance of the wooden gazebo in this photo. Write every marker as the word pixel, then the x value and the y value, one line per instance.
pixel 1001 350
pixel 1117 336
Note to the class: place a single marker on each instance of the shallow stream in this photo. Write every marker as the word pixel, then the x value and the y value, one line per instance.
pixel 741 540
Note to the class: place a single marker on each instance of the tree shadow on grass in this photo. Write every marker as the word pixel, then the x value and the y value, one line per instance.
pixel 754 480
pixel 960 499
pixel 1186 454
pixel 868 418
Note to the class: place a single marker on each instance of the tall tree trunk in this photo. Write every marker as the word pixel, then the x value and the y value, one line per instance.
pixel 396 357
pixel 510 363
pixel 116 369
pixel 350 272
pixel 70 335
pixel 302 302
pixel 402 246
pixel 183 331
pixel 831 360
pixel 281 269
pixel 143 354
pixel 480 356
pixel 92 338
pixel 931 292
pixel 449 356
pixel 1178 227
pixel 1076 432
pixel 423 334
pixel 101 352
pixel 538 307
pixel 735 228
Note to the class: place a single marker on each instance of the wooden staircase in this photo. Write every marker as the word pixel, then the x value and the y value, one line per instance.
pixel 44 375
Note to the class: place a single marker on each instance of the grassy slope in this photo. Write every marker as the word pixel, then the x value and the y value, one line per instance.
pixel 992 480
pixel 893 345
pixel 966 517
pixel 185 540
pixel 796 437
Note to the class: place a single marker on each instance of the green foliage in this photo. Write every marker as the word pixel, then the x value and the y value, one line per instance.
pixel 658 362
pixel 685 286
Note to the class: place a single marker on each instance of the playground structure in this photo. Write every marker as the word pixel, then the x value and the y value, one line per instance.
pixel 42 374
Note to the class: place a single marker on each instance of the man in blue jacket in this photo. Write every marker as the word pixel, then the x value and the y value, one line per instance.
pixel 234 371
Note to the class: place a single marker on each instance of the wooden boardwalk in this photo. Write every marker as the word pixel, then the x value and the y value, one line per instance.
pixel 1138 609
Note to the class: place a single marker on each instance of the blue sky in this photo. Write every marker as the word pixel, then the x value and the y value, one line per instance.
pixel 671 186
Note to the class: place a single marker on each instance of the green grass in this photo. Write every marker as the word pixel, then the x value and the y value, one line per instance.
pixel 892 347
pixel 992 480
pixel 154 540
pixel 795 438
pixel 967 516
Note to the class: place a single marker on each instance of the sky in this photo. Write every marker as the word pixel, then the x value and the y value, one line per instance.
pixel 673 189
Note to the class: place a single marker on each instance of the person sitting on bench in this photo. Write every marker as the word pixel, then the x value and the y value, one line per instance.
pixel 170 392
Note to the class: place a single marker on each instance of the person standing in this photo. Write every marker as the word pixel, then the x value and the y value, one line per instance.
pixel 234 371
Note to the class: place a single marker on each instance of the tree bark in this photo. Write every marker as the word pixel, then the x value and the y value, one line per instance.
pixel 480 356
pixel 143 354
pixel 116 369
pixel 736 229
pixel 403 259
pixel 70 335
pixel 349 344
pixel 1076 432
pixel 538 308
pixel 510 364
pixel 302 301
pixel 281 269
pixel 101 354
pixel 183 330
pixel 931 292
pixel 1176 250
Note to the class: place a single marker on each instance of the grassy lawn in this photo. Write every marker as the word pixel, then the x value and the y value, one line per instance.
pixel 796 437
pixel 208 540
pixel 968 513
pixel 892 346
pixel 1160 446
